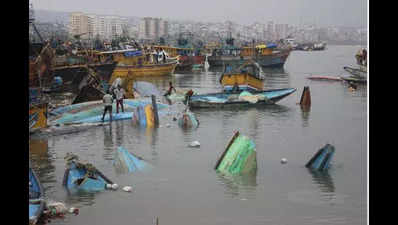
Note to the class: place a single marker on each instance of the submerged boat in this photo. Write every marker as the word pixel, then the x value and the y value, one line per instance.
pixel 321 160
pixel 355 79
pixel 83 176
pixel 360 73
pixel 239 157
pixel 244 98
pixel 247 77
pixel 36 203
pixel 188 120
pixel 127 162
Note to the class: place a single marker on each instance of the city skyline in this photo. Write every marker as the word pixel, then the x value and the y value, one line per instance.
pixel 321 13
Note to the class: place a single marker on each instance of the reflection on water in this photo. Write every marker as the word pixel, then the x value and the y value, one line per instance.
pixel 80 198
pixel 119 132
pixel 239 184
pixel 305 114
pixel 323 179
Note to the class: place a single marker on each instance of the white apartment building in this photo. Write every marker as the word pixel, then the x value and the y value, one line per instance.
pixel 106 27
pixel 153 28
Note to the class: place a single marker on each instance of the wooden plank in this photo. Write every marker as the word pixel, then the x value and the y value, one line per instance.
pixel 226 149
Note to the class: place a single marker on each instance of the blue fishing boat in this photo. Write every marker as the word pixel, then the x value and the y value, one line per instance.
pixel 83 176
pixel 36 204
pixel 224 99
pixel 128 162
pixel 321 160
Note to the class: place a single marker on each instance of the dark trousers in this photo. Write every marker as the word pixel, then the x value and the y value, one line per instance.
pixel 117 105
pixel 107 108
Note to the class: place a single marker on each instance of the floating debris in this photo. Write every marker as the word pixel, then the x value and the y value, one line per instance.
pixel 194 144
pixel 127 189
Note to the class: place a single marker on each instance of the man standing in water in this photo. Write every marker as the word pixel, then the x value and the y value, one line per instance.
pixel 108 100
pixel 119 92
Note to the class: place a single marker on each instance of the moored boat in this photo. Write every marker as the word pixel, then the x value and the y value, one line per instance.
pixel 36 203
pixel 224 99
pixel 249 76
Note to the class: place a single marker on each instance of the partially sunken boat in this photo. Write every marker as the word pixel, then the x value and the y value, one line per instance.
pixel 127 162
pixel 244 98
pixel 239 157
pixel 36 203
pixel 83 176
pixel 188 120
pixel 321 160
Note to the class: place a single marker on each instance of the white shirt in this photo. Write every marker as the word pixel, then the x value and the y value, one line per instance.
pixel 119 93
pixel 107 99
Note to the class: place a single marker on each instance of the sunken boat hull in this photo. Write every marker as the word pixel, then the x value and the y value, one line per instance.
pixel 36 204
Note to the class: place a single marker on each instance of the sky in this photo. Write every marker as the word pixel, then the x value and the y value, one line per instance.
pixel 292 12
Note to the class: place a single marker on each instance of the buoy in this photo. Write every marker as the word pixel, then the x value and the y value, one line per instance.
pixel 283 160
pixel 108 186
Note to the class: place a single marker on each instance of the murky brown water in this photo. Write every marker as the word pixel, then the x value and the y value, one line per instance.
pixel 183 188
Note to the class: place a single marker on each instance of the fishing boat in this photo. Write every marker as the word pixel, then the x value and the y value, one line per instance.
pixel 327 78
pixel 38 110
pixel 264 55
pixel 321 160
pixel 361 72
pixel 226 99
pixel 36 203
pixel 138 63
pixel 83 176
pixel 127 162
pixel 355 79
pixel 247 77
pixel 239 157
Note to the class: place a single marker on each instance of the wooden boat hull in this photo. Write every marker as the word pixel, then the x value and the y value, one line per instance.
pixel 38 113
pixel 74 180
pixel 327 78
pixel 221 100
pixel 128 162
pixel 239 157
pixel 321 160
pixel 36 205
pixel 143 71
pixel 244 81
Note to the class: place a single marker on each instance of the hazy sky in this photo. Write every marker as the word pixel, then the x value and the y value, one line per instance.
pixel 294 12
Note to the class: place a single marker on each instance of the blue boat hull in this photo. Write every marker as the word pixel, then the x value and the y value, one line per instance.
pixel 74 180
pixel 321 160
pixel 130 162
pixel 36 206
pixel 223 99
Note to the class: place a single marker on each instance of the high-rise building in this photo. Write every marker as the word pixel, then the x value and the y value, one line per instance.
pixel 153 28
pixel 79 25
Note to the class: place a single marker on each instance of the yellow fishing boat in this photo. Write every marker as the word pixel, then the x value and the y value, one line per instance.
pixel 246 77
pixel 38 116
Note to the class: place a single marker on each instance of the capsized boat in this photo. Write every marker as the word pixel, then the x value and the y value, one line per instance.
pixel 321 160
pixel 239 157
pixel 188 120
pixel 244 98
pixel 248 76
pixel 127 162
pixel 36 203
pixel 83 176
pixel 360 73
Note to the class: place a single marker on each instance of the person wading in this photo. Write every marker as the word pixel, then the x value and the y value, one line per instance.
pixel 108 100
pixel 119 93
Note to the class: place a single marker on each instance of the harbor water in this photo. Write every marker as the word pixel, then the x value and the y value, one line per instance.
pixel 183 188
